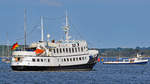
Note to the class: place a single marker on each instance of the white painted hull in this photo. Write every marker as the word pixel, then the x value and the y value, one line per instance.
pixel 128 62
pixel 55 63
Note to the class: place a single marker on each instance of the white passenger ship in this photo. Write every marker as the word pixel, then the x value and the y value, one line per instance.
pixel 61 55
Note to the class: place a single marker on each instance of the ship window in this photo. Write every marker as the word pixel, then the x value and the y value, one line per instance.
pixel 75 49
pixel 79 58
pixel 33 60
pixel 50 49
pixel 64 60
pixel 67 59
pixel 63 50
pixel 82 58
pixel 70 59
pixel 85 48
pixel 72 50
pixel 41 60
pixel 57 50
pixel 54 51
pixel 66 50
pixel 69 50
pixel 78 44
pixel 85 57
pixel 48 60
pixel 79 49
pixel 45 60
pixel 82 49
pixel 60 50
pixel 38 60
pixel 73 59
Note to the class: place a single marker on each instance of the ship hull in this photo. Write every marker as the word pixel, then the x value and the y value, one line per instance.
pixel 83 67
pixel 53 63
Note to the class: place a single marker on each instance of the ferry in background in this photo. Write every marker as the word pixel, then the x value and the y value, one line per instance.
pixel 55 56
pixel 137 60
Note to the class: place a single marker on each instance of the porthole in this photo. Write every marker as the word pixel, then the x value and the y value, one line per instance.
pixel 73 59
pixel 64 60
pixel 33 60
pixel 79 58
pixel 41 60
pixel 70 59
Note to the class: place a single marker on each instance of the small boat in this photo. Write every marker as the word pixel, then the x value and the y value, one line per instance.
pixel 5 60
pixel 136 60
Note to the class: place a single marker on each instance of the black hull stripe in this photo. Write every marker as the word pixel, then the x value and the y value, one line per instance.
pixel 84 67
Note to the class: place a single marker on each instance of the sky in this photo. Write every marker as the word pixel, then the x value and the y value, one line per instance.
pixel 102 23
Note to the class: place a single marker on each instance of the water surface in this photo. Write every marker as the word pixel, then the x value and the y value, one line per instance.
pixel 102 74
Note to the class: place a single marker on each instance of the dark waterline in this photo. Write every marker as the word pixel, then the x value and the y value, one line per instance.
pixel 101 74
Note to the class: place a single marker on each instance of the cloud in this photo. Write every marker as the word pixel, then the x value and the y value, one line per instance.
pixel 51 2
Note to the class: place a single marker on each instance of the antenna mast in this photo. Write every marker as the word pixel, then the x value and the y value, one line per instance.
pixel 24 28
pixel 7 44
pixel 42 27
pixel 66 28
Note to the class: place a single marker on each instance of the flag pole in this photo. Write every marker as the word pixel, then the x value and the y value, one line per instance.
pixel 24 28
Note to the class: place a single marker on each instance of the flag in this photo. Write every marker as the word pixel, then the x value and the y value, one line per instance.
pixel 39 51
pixel 14 46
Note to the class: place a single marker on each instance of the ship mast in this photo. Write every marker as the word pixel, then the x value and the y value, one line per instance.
pixel 66 29
pixel 24 29
pixel 42 27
